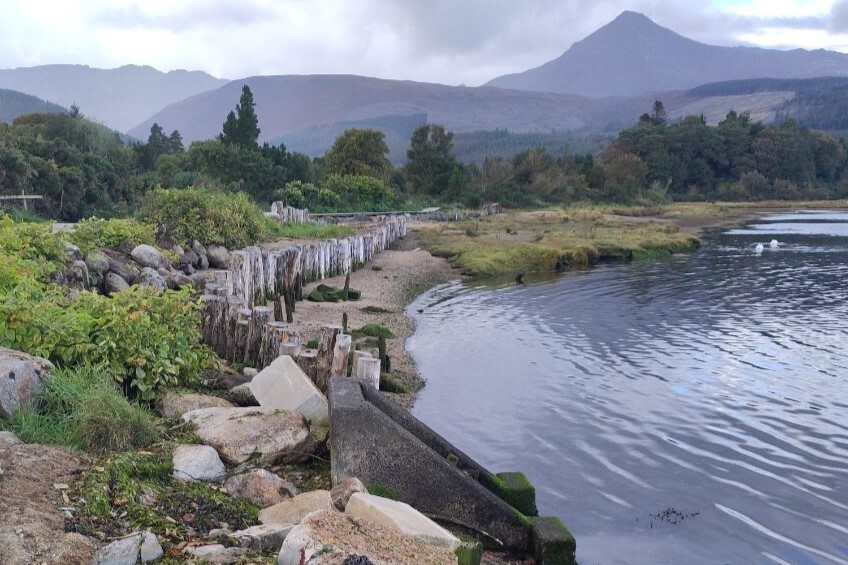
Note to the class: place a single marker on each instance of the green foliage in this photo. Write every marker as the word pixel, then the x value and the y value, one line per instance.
pixel 360 193
pixel 389 383
pixel 242 126
pixel 211 217
pixel 431 162
pixel 97 232
pixel 309 230
pixel 359 152
pixel 82 408
pixel 516 490
pixel 373 330
pixel 312 343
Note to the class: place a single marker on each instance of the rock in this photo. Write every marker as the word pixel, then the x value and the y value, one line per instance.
pixel 8 439
pixel 198 280
pixel 204 263
pixel 113 282
pixel 551 542
pixel 173 404
pixel 402 517
pixel 190 258
pixel 218 256
pixel 188 270
pixel 216 553
pixel 22 378
pixel 249 372
pixel 76 275
pixel 126 271
pixel 148 278
pixel 242 396
pixel 283 384
pixel 126 246
pixel 238 434
pixel 72 252
pixel 176 279
pixel 293 510
pixel 198 248
pixel 261 487
pixel 264 537
pixel 128 550
pixel 149 256
pixel 342 492
pixel 331 537
pixel 197 463
pixel 178 250
pixel 97 263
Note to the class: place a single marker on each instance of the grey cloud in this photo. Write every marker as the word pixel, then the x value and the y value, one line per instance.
pixel 216 13
pixel 838 21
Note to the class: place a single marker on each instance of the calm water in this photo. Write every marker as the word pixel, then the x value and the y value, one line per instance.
pixel 713 384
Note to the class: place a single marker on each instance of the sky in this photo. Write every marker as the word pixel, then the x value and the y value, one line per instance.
pixel 447 41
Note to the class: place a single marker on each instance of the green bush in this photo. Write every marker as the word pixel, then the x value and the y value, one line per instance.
pixel 82 408
pixel 209 216
pixel 359 192
pixel 97 232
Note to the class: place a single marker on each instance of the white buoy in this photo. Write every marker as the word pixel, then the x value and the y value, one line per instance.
pixel 773 244
pixel 758 249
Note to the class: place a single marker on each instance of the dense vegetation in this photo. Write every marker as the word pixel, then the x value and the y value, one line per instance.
pixel 14 104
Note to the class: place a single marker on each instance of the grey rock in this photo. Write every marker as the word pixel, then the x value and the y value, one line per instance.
pixel 250 372
pixel 204 263
pixel 148 278
pixel 218 256
pixel 97 263
pixel 72 252
pixel 241 395
pixel 191 258
pixel 126 271
pixel 197 463
pixel 177 279
pixel 342 492
pixel 178 250
pixel 264 537
pixel 198 248
pixel 126 246
pixel 8 439
pixel 113 282
pixel 188 269
pixel 149 256
pixel 198 280
pixel 76 275
pixel 128 550
pixel 293 510
pixel 22 378
pixel 175 404
pixel 216 553
pixel 261 487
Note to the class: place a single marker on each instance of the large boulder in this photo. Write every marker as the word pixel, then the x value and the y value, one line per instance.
pixel 328 536
pixel 293 510
pixel 148 256
pixel 283 384
pixel 197 463
pixel 174 404
pixel 113 283
pixel 176 279
pixel 97 263
pixel 238 434
pixel 22 378
pixel 76 276
pixel 149 278
pixel 140 546
pixel 218 256
pixel 263 488
pixel 126 271
pixel 402 517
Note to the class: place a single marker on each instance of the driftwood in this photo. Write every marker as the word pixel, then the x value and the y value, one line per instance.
pixel 341 353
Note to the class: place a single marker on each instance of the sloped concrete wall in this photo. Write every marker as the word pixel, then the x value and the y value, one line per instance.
pixel 384 446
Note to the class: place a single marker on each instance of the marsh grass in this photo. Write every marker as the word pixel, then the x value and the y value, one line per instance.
pixel 548 240
pixel 83 409
pixel 308 230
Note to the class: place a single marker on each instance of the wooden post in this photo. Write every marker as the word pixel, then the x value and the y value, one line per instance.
pixel 357 355
pixel 340 356
pixel 326 352
pixel 234 306
pixel 242 329
pixel 270 347
pixel 261 316
pixel 308 362
pixel 368 371
pixel 290 349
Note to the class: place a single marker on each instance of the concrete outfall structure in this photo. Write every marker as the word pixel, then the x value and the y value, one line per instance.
pixel 283 384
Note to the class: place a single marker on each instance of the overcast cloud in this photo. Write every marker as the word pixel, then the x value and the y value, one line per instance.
pixel 448 41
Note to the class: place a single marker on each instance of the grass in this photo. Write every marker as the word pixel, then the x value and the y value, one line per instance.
pixel 83 409
pixel 308 231
pixel 552 240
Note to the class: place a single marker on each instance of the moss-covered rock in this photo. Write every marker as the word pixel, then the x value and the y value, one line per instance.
pixel 516 490
pixel 316 296
pixel 374 330
pixel 552 543
pixel 469 553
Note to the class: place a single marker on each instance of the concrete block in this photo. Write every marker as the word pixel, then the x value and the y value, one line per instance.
pixel 517 491
pixel 553 544
pixel 282 384
pixel 402 517
pixel 293 510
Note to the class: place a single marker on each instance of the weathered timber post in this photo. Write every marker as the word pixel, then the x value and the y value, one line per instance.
pixel 326 352
pixel 368 371
pixel 340 356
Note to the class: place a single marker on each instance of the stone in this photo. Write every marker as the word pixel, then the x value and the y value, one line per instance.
pixel 72 252
pixel 517 491
pixel 551 541
pixel 264 537
pixel 176 279
pixel 129 550
pixel 113 282
pixel 148 278
pixel 22 379
pixel 97 263
pixel 402 517
pixel 190 258
pixel 204 263
pixel 198 248
pixel 283 384
pixel 242 396
pixel 126 271
pixel 294 510
pixel 274 435
pixel 218 256
pixel 174 404
pixel 342 492
pixel 197 463
pixel 76 275
pixel 330 537
pixel 126 246
pixel 198 280
pixel 249 372
pixel 148 256
pixel 215 553
pixel 261 487
pixel 188 270
pixel 8 439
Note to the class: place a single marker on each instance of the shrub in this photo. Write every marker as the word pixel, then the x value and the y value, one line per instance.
pixel 97 232
pixel 359 192
pixel 211 217
pixel 82 408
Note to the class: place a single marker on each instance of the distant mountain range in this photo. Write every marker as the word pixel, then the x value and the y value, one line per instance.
pixel 632 55
pixel 119 98
pixel 14 104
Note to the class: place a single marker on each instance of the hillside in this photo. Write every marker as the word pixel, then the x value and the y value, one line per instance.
pixel 119 98
pixel 294 104
pixel 633 55
pixel 14 104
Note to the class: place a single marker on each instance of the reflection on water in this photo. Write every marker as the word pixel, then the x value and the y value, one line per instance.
pixel 714 384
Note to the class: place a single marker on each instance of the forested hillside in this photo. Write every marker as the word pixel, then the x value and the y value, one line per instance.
pixel 14 104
